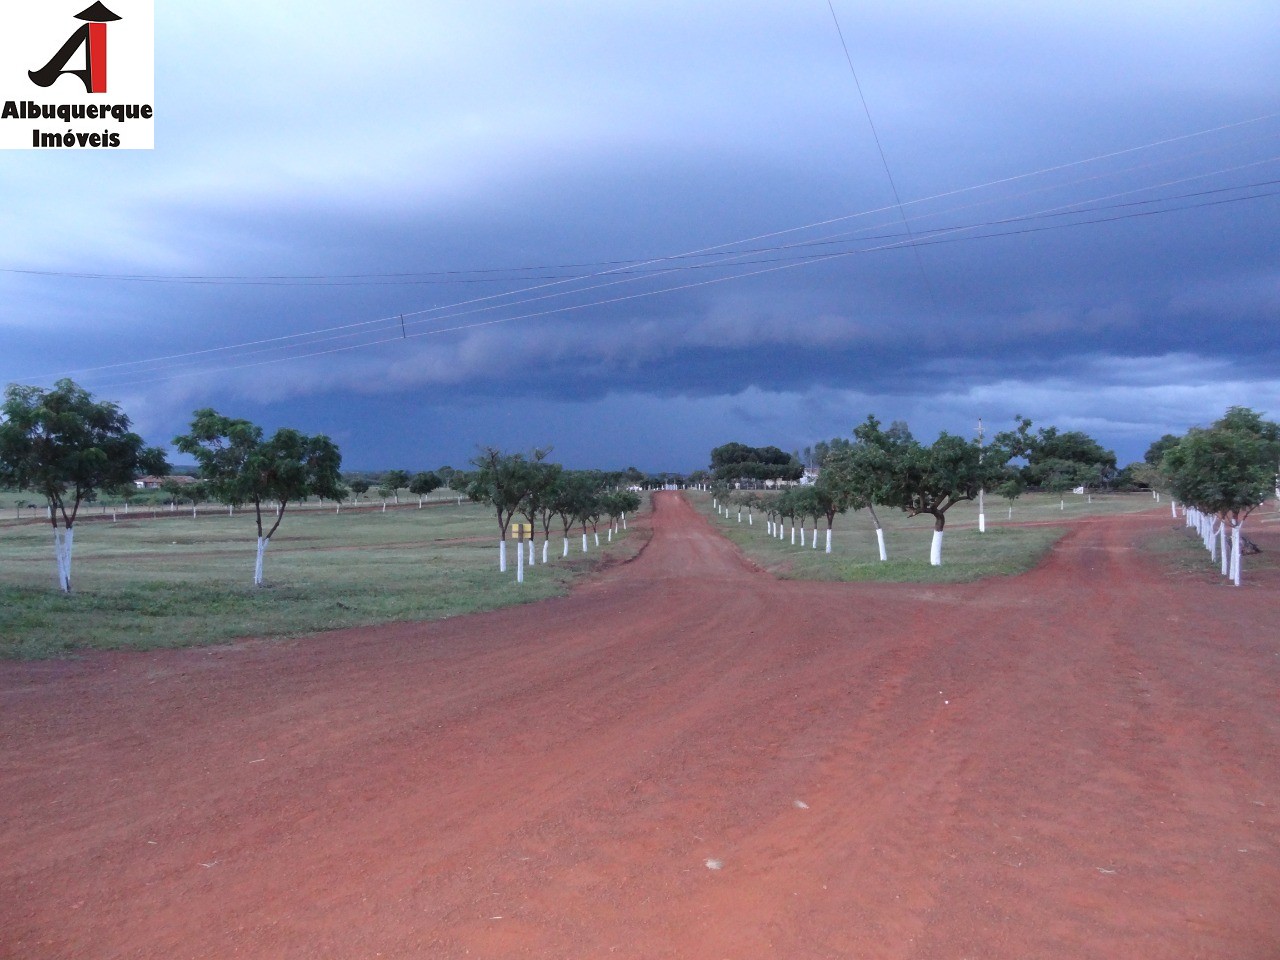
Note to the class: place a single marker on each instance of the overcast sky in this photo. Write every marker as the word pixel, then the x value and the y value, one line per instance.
pixel 633 231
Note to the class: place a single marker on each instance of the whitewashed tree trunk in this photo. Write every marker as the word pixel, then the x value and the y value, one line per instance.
pixel 1212 542
pixel 880 543
pixel 828 550
pixel 263 542
pixel 596 535
pixel 1235 551
pixel 584 542
pixel 1173 508
pixel 935 550
pixel 1222 546
pixel 519 562
pixel 624 521
pixel 610 538
pixel 793 534
pixel 566 547
pixel 813 538
pixel 63 540
pixel 531 551
pixel 982 523
pixel 546 547
pixel 502 556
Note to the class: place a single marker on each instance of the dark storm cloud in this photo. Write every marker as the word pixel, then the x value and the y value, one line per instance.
pixel 438 143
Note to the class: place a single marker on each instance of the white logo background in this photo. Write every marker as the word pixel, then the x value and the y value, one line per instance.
pixel 32 31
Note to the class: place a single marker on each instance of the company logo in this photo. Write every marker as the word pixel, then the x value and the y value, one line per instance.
pixel 77 97
pixel 93 37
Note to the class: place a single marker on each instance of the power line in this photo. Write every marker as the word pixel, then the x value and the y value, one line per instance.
pixel 788 265
pixel 883 159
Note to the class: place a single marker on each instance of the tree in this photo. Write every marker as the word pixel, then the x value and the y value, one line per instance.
pixel 933 479
pixel 395 481
pixel 421 484
pixel 737 462
pixel 65 446
pixel 239 467
pixel 536 503
pixel 359 486
pixel 864 469
pixel 1056 458
pixel 502 481
pixel 1226 471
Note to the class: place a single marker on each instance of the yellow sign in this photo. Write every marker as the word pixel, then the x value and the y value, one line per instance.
pixel 521 532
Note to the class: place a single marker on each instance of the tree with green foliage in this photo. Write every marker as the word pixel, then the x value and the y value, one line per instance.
pixel 502 480
pixel 423 483
pixel 739 463
pixel 931 480
pixel 65 446
pixel 536 504
pixel 864 469
pixel 1226 472
pixel 395 481
pixel 359 486
pixel 240 466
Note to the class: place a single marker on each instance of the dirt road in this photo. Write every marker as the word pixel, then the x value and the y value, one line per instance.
pixel 685 759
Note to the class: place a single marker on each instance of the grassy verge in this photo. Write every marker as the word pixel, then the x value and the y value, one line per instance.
pixel 177 581
pixel 1009 545
pixel 1180 552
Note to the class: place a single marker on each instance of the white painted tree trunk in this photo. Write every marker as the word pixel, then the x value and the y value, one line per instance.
pixel 566 547
pixel 1173 508
pixel 1235 552
pixel 502 556
pixel 546 547
pixel 610 538
pixel 263 542
pixel 828 550
pixel 1212 544
pixel 982 523
pixel 519 562
pixel 624 521
pixel 793 534
pixel 1222 546
pixel 63 541
pixel 596 535
pixel 802 534
pixel 880 543
pixel 531 551
pixel 751 520
pixel 935 550
pixel 584 542
pixel 813 538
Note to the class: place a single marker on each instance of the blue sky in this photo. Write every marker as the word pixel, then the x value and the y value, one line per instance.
pixel 635 231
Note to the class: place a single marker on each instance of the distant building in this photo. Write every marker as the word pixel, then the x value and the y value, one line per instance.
pixel 153 483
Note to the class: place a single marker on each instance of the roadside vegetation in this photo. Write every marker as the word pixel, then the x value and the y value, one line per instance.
pixel 1007 547
pixel 146 583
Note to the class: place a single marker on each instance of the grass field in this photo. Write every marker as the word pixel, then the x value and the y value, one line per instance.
pixel 144 583
pixel 1008 546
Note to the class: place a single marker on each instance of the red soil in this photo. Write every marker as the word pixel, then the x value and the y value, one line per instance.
pixel 1083 762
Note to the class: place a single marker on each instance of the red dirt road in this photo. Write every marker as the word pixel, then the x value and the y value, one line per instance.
pixel 1082 762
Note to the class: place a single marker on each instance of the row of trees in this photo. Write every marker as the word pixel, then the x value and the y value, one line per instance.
pixel 542 492
pixel 66 446
pixel 1221 474
pixel 889 467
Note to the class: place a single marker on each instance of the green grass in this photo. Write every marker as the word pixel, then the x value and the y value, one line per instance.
pixel 967 555
pixel 179 581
